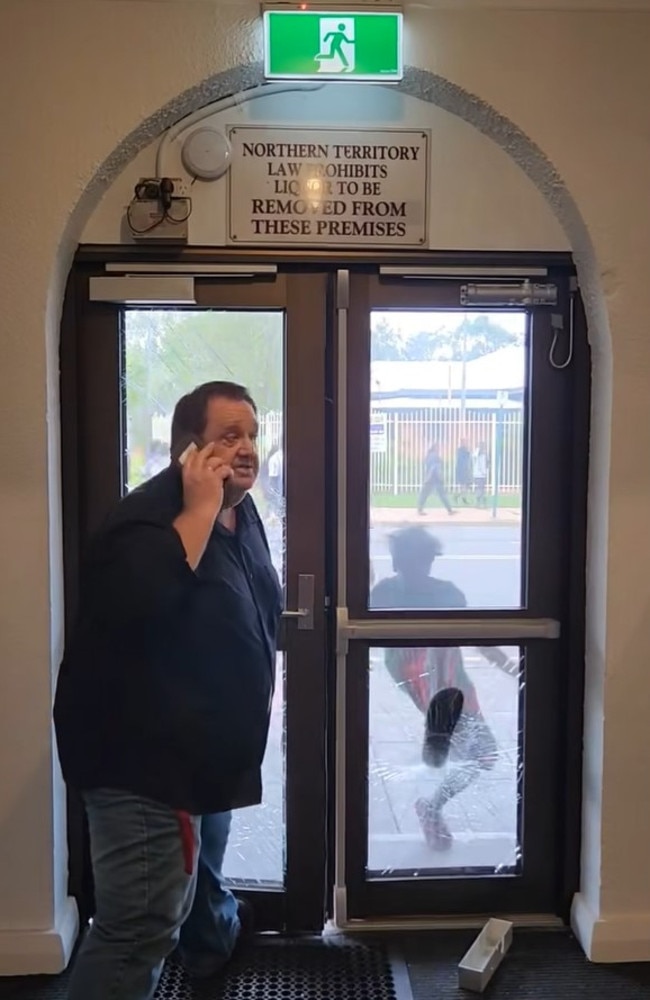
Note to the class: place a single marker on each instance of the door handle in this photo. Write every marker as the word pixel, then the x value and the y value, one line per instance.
pixel 304 614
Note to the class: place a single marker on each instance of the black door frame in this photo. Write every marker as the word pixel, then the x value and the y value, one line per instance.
pixel 94 463
pixel 555 668
pixel 91 260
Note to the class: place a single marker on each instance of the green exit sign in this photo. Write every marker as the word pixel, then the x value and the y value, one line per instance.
pixel 332 45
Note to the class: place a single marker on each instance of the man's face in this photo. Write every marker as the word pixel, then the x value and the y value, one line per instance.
pixel 231 426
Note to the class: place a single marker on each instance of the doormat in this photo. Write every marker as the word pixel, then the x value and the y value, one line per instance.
pixel 271 969
pixel 298 970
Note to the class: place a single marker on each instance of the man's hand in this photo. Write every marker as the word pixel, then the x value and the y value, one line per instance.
pixel 204 477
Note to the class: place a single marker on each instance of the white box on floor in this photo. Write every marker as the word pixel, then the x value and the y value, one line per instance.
pixel 485 956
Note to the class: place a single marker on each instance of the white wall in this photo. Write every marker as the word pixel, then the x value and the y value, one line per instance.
pixel 497 209
pixel 78 78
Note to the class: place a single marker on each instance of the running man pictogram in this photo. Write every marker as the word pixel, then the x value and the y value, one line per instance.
pixel 333 42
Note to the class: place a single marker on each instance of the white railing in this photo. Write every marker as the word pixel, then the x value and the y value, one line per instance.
pixel 271 432
pixel 397 455
pixel 401 438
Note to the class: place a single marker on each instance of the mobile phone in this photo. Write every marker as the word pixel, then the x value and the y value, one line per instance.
pixel 185 448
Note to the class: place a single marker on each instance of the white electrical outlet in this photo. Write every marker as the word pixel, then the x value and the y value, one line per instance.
pixel 181 186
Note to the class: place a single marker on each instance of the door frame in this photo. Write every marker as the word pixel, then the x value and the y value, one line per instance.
pixel 91 259
pixel 358 899
pixel 94 462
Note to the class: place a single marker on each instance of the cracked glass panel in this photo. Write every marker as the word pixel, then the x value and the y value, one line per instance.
pixel 256 846
pixel 166 353
pixel 445 761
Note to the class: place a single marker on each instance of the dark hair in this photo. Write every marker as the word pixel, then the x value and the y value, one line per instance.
pixel 414 545
pixel 190 412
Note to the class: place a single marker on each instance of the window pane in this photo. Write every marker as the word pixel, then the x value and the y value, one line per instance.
pixel 447 421
pixel 256 845
pixel 166 354
pixel 436 804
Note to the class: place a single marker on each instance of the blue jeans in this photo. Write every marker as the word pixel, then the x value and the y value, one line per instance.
pixel 154 870
pixel 210 933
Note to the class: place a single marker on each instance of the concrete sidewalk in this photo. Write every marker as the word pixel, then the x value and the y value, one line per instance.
pixel 438 515
pixel 484 817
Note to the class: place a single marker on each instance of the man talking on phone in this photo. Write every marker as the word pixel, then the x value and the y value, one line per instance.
pixel 163 700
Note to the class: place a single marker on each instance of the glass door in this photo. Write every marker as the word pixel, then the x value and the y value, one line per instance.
pixel 454 589
pixel 132 365
pixel 440 514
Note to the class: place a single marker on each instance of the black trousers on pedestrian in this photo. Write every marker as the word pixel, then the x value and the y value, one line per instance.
pixel 431 485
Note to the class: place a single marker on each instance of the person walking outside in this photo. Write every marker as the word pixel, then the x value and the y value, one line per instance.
pixel 433 480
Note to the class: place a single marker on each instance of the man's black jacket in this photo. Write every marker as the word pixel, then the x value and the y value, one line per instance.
pixel 166 683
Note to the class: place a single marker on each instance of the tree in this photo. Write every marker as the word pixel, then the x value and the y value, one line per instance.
pixel 386 343
pixel 168 352
pixel 245 347
pixel 145 380
pixel 428 345
pixel 476 336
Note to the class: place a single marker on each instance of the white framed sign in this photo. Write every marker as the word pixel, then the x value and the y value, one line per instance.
pixel 328 187
pixel 378 434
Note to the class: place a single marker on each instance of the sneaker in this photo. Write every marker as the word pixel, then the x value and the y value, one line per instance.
pixel 436 832
pixel 442 716
pixel 206 966
pixel 246 916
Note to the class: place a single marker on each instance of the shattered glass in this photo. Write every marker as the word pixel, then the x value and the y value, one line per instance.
pixel 463 816
pixel 256 847
pixel 448 468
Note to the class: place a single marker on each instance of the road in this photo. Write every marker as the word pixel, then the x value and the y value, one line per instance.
pixel 484 560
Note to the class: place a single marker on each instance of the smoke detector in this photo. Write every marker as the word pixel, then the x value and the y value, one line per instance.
pixel 206 154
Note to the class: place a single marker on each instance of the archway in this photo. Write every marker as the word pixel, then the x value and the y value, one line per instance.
pixel 442 93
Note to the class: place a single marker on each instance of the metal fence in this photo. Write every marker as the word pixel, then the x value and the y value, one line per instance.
pixel 271 433
pixel 400 439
